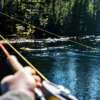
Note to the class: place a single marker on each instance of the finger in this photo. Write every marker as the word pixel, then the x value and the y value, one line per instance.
pixel 37 78
pixel 7 79
pixel 29 70
pixel 38 84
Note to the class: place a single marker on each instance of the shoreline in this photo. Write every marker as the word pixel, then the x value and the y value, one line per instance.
pixel 48 40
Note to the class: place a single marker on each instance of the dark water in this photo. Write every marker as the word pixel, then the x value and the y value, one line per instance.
pixel 74 66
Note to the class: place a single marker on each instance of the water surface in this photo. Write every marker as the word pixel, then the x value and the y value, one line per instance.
pixel 75 67
pixel 69 64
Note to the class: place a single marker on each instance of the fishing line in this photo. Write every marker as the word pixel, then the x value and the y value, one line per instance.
pixel 54 34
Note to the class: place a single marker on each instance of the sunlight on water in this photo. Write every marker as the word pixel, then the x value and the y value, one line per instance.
pixel 72 74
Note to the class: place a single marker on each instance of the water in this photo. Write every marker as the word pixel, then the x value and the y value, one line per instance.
pixel 79 73
pixel 71 65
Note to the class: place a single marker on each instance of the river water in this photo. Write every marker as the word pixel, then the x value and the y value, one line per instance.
pixel 75 66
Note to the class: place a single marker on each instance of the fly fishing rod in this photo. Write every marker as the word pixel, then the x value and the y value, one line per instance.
pixel 58 91
pixel 24 59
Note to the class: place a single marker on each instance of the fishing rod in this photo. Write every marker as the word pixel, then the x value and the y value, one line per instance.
pixel 16 66
pixel 57 91
pixel 23 58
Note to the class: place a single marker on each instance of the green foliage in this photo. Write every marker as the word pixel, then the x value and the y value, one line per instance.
pixel 90 8
pixel 26 33
pixel 59 16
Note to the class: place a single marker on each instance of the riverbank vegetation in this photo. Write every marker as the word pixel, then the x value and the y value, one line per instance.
pixel 63 17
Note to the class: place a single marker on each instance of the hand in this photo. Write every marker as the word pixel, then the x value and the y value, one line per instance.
pixel 24 80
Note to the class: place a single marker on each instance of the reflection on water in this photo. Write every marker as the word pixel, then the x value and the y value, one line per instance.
pixel 75 69
pixel 72 74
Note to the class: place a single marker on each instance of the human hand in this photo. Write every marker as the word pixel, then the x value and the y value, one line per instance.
pixel 24 80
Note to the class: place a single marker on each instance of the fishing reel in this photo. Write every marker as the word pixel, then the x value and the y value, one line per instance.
pixel 52 91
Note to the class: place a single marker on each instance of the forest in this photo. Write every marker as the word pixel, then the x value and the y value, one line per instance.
pixel 38 18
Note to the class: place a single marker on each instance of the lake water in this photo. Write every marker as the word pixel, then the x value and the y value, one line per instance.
pixel 72 65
